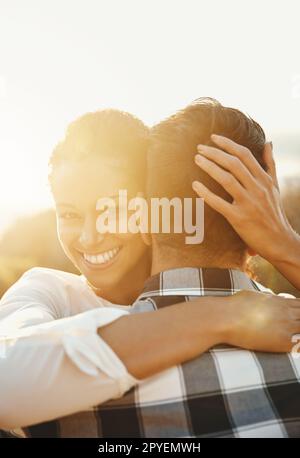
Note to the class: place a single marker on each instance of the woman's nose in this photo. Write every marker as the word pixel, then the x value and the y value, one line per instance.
pixel 89 235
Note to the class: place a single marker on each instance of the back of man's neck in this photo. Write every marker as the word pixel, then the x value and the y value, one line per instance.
pixel 165 261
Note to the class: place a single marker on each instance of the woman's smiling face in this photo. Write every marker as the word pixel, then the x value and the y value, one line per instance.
pixel 106 260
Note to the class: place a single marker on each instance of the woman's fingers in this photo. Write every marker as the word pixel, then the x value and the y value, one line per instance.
pixel 225 179
pixel 269 160
pixel 214 201
pixel 229 162
pixel 243 153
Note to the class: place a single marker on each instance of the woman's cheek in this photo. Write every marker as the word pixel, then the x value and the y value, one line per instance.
pixel 67 234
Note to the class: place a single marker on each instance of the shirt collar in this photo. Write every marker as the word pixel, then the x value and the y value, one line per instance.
pixel 197 281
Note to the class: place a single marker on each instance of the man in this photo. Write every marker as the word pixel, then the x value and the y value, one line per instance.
pixel 226 392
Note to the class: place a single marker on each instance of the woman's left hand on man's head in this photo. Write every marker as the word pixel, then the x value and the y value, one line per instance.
pixel 256 212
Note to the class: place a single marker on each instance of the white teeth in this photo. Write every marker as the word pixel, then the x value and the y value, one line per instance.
pixel 101 258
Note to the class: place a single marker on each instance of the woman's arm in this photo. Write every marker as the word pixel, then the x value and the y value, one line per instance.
pixel 150 342
pixel 256 212
pixel 67 365
pixel 63 366
pixel 287 260
pixel 52 366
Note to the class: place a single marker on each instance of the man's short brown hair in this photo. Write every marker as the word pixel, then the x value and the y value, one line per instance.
pixel 171 166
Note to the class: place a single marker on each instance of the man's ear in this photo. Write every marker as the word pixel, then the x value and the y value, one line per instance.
pixel 251 252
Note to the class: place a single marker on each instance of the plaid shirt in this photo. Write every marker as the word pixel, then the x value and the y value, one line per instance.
pixel 225 392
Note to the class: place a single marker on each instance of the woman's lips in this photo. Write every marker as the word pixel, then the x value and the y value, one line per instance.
pixel 101 260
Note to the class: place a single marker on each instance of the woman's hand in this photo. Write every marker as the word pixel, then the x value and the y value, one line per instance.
pixel 256 212
pixel 262 322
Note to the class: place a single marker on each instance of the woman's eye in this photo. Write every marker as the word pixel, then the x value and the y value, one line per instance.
pixel 69 215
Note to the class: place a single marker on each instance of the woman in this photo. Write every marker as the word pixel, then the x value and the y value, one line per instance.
pixel 51 321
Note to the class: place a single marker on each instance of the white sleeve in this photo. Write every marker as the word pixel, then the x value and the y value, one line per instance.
pixel 55 368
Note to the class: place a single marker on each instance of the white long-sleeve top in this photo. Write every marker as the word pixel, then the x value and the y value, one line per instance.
pixel 52 360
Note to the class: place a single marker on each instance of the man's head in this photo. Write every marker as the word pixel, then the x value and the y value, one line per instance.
pixel 102 153
pixel 171 171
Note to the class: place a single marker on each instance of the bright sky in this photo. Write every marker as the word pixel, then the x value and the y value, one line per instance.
pixel 61 58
